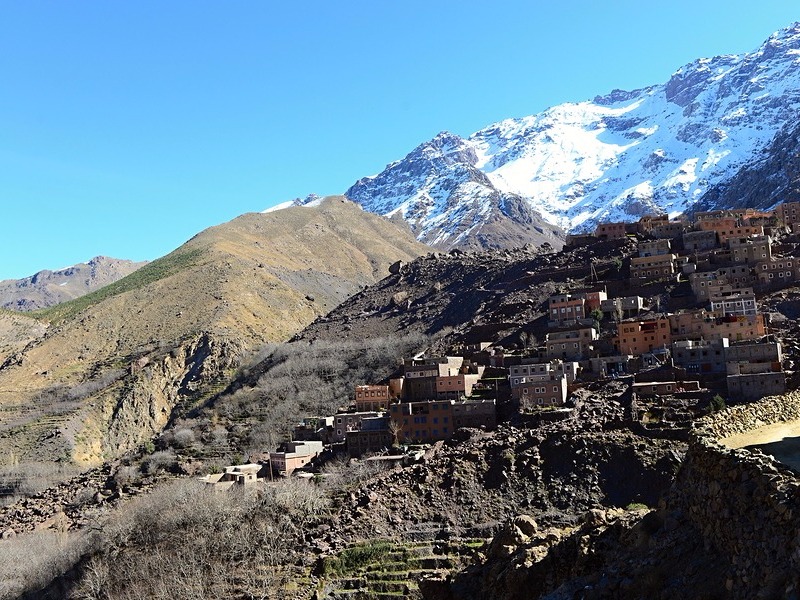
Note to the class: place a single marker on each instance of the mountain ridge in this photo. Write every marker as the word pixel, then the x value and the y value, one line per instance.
pixel 110 367
pixel 658 149
pixel 47 287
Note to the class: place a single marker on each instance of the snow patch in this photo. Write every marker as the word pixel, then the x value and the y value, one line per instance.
pixel 280 206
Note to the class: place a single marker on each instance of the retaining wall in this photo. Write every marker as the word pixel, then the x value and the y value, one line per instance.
pixel 744 502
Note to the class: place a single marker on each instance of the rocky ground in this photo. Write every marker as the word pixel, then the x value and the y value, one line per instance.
pixel 557 472
pixel 472 296
pixel 616 553
pixel 468 487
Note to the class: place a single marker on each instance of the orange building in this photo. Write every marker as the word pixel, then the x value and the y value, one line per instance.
pixel 778 272
pixel 728 227
pixel 423 421
pixel 738 328
pixel 543 390
pixel 640 337
pixel 475 413
pixel 739 232
pixel 649 222
pixel 453 387
pixel 704 325
pixel 594 299
pixel 650 268
pixel 574 344
pixel 437 420
pixel 788 212
pixel 717 224
pixel 750 249
pixel 654 247
pixel 671 230
pixel 372 397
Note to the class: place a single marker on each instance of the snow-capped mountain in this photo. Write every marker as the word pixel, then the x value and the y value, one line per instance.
pixel 616 157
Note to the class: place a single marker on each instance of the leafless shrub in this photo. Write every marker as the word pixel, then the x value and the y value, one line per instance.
pixel 344 473
pixel 126 475
pixel 301 500
pixel 182 438
pixel 186 541
pixel 159 461
pixel 28 562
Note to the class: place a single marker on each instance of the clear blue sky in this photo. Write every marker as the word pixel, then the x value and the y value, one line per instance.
pixel 127 127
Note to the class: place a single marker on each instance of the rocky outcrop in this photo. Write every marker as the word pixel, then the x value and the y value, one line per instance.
pixel 452 203
pixel 523 561
pixel 728 528
pixel 155 386
pixel 772 178
pixel 476 295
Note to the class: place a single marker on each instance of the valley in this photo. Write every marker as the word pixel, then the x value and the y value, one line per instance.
pixel 556 358
pixel 597 491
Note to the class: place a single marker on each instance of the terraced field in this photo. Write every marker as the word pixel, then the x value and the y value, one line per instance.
pixel 391 570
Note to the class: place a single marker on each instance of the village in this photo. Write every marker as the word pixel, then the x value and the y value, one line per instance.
pixel 680 321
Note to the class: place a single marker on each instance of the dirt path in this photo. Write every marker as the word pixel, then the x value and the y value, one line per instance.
pixel 781 440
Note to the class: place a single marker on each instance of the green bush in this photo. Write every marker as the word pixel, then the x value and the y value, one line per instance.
pixel 716 403
pixel 356 558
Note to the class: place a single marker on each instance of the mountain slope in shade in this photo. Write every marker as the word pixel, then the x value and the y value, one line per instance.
pixel 616 157
pixel 773 177
pixel 114 364
pixel 47 288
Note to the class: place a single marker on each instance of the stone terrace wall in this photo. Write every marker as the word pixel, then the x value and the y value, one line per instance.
pixel 745 503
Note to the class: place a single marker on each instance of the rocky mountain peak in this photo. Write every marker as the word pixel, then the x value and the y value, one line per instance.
pixel 654 150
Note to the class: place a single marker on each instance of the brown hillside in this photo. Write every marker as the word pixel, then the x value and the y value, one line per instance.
pixel 16 332
pixel 115 363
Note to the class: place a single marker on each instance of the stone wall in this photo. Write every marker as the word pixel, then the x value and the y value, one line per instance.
pixel 745 503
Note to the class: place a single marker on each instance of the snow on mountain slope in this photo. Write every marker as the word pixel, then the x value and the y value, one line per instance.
pixel 616 157
pixel 449 202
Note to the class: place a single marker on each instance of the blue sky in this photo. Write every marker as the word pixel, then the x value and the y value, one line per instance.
pixel 127 127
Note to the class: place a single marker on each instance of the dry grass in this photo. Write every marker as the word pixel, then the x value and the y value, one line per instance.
pixel 18 480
